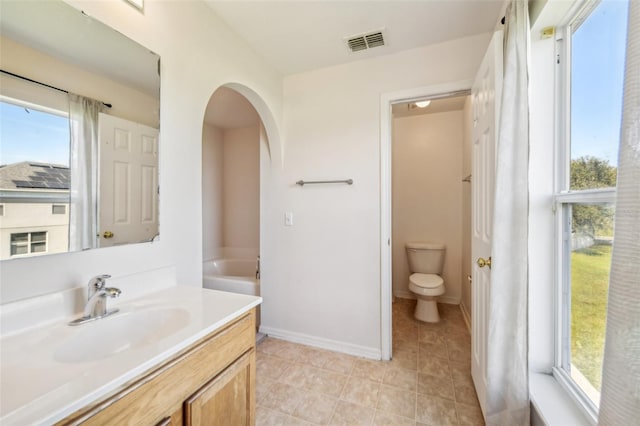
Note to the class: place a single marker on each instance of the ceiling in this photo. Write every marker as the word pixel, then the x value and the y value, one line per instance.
pixel 301 35
pixel 436 106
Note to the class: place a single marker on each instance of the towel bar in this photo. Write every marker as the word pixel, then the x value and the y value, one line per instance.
pixel 311 182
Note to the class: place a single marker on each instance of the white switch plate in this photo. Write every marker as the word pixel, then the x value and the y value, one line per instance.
pixel 288 219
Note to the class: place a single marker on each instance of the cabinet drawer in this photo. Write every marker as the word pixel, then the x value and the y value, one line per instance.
pixel 161 393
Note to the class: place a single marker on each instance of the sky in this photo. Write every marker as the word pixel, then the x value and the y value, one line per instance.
pixel 32 136
pixel 597 75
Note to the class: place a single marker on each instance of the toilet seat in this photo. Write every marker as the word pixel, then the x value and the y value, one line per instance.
pixel 426 280
pixel 426 284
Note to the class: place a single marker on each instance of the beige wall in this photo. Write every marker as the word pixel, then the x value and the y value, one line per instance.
pixel 230 190
pixel 212 177
pixel 467 126
pixel 427 194
pixel 241 188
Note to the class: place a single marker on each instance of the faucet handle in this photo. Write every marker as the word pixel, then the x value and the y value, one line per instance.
pixel 99 281
pixel 113 292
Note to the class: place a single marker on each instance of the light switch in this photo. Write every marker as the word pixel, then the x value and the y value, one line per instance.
pixel 288 219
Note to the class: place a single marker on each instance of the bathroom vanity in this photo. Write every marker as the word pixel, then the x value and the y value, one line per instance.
pixel 213 379
pixel 182 355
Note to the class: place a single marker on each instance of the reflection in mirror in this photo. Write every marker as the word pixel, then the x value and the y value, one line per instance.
pixel 79 120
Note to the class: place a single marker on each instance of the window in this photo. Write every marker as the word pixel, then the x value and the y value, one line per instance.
pixel 25 243
pixel 592 58
pixel 58 209
pixel 34 177
pixel 33 133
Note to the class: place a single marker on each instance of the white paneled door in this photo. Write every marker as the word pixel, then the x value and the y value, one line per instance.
pixel 128 180
pixel 485 97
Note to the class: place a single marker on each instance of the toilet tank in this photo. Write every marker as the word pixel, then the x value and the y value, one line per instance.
pixel 425 258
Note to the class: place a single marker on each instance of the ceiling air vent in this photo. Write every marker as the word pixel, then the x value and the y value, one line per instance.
pixel 374 40
pixel 357 43
pixel 365 41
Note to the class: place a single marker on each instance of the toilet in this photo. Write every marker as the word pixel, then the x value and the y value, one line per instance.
pixel 425 266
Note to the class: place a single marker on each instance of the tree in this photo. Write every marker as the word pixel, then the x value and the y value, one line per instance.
pixel 592 173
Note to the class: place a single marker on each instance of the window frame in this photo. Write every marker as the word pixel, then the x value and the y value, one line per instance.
pixel 563 199
pixel 34 106
pixel 29 244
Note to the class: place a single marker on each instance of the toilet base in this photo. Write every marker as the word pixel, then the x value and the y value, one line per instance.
pixel 427 309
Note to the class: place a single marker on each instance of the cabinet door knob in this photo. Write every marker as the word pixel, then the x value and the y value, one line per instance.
pixel 484 262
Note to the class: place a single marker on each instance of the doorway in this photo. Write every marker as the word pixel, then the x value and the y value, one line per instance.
pixel 389 246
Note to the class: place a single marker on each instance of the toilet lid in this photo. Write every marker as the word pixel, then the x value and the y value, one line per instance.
pixel 426 280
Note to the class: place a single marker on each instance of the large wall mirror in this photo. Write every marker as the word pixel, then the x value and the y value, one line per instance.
pixel 79 123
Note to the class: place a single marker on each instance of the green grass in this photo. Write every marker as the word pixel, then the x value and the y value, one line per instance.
pixel 589 286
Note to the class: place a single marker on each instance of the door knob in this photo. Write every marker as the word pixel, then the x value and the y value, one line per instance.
pixel 484 262
pixel 107 234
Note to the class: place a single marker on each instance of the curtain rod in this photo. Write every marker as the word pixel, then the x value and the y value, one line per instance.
pixel 45 85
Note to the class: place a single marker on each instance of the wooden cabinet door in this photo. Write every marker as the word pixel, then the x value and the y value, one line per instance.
pixel 228 399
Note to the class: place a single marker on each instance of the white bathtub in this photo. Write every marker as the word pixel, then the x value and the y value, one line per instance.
pixel 234 275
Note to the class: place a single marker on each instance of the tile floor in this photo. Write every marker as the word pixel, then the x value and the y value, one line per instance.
pixel 428 382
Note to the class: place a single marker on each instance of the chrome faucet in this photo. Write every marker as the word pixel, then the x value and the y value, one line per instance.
pixel 96 306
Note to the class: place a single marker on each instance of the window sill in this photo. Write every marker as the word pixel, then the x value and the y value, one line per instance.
pixel 553 404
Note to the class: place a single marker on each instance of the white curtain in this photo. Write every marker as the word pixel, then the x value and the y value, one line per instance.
pixel 83 124
pixel 507 350
pixel 620 398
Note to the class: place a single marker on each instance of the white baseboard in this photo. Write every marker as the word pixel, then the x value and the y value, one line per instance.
pixel 466 316
pixel 320 342
pixel 406 294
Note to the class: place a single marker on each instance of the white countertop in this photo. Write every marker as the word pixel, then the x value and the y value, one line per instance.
pixel 35 388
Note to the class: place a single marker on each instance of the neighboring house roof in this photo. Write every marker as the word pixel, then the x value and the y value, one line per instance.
pixel 31 175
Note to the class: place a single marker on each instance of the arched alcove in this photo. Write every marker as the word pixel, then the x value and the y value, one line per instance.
pixel 268 121
pixel 240 147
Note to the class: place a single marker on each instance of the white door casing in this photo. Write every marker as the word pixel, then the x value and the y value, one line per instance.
pixel 457 88
pixel 128 181
pixel 485 98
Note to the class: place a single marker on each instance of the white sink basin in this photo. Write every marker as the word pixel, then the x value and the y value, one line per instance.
pixel 122 331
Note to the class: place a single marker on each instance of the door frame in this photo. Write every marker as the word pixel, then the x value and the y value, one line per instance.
pixel 386 102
